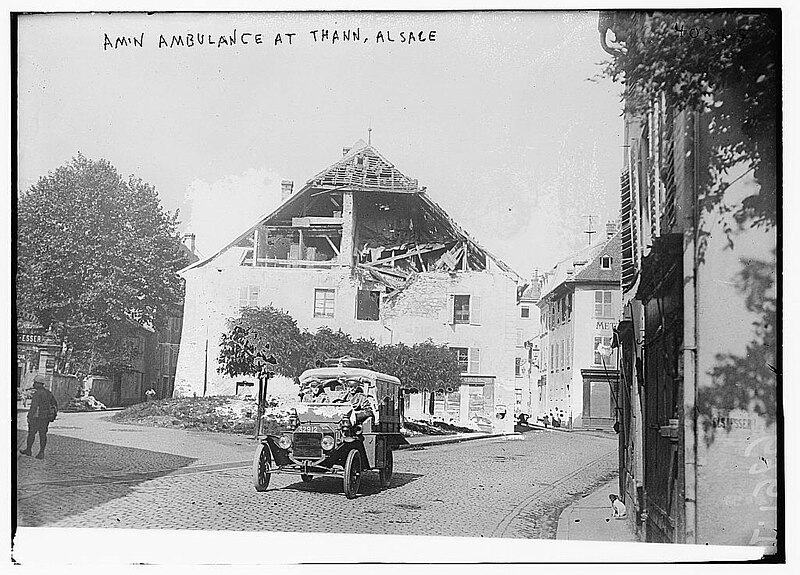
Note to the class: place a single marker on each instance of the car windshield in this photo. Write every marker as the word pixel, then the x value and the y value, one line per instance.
pixel 334 390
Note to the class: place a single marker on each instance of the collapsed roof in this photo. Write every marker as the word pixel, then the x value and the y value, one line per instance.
pixel 398 230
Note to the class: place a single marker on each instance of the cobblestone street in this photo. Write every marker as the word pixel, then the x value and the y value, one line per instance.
pixel 511 487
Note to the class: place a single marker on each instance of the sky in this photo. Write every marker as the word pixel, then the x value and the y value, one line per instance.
pixel 501 117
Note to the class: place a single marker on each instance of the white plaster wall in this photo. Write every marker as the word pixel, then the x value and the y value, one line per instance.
pixel 418 313
pixel 737 470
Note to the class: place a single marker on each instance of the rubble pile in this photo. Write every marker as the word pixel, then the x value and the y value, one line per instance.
pixel 225 414
pixel 412 428
pixel 84 403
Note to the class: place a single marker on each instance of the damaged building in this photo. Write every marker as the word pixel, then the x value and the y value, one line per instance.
pixel 363 248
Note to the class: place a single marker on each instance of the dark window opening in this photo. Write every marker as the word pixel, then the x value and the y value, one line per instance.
pixel 525 312
pixel 368 305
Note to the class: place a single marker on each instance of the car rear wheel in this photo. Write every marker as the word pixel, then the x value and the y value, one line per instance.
pixel 262 461
pixel 388 469
pixel 352 474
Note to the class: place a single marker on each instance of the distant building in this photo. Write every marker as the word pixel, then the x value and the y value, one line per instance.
pixel 37 350
pixel 580 301
pixel 362 248
pixel 526 360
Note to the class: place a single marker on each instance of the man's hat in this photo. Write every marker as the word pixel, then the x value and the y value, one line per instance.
pixel 40 379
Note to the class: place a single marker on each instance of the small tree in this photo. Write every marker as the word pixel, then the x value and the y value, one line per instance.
pixel 265 330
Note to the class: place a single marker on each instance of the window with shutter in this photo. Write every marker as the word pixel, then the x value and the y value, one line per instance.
pixel 602 304
pixel 461 309
pixel 474 360
pixel 462 355
pixel 607 304
pixel 248 296
pixel 475 310
pixel 324 302
pixel 605 341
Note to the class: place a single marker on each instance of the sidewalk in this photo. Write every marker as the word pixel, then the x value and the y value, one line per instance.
pixel 589 519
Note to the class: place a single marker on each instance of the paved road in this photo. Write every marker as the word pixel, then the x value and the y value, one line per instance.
pixel 145 478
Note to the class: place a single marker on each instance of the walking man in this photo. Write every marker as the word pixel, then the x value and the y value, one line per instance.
pixel 44 409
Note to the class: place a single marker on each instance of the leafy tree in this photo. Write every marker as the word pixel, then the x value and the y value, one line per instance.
pixel 96 258
pixel 266 331
pixel 269 330
pixel 724 64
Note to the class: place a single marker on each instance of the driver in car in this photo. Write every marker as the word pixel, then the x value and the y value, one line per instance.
pixel 362 408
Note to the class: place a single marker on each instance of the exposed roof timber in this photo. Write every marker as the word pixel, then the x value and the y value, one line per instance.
pixel 333 246
pixel 364 168
pixel 389 272
pixel 268 216
pixel 424 249
pixel 475 245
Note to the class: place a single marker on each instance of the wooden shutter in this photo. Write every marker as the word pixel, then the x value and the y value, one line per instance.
pixel 450 310
pixel 474 310
pixel 474 360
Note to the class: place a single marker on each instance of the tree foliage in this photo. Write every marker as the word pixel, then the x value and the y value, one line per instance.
pixel 96 258
pixel 747 381
pixel 268 330
pixel 724 64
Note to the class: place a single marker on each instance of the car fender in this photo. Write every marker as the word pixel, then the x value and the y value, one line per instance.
pixel 368 450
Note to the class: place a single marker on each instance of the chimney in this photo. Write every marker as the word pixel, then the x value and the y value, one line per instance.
pixel 188 241
pixel 611 229
pixel 345 151
pixel 286 189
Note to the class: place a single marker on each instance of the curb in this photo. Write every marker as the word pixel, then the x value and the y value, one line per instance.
pixel 448 440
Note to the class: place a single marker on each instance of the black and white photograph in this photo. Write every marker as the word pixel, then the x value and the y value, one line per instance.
pixel 396 286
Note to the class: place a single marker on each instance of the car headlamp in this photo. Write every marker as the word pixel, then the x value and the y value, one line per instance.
pixel 285 441
pixel 328 442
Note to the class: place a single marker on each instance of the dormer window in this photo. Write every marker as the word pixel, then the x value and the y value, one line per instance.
pixel 605 263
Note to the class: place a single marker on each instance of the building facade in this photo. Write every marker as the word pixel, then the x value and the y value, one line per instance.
pixel 526 361
pixel 699 438
pixel 362 248
pixel 168 338
pixel 580 301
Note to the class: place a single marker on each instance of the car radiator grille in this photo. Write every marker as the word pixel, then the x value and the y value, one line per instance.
pixel 307 445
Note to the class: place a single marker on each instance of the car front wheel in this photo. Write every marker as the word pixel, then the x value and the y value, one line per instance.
pixel 262 462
